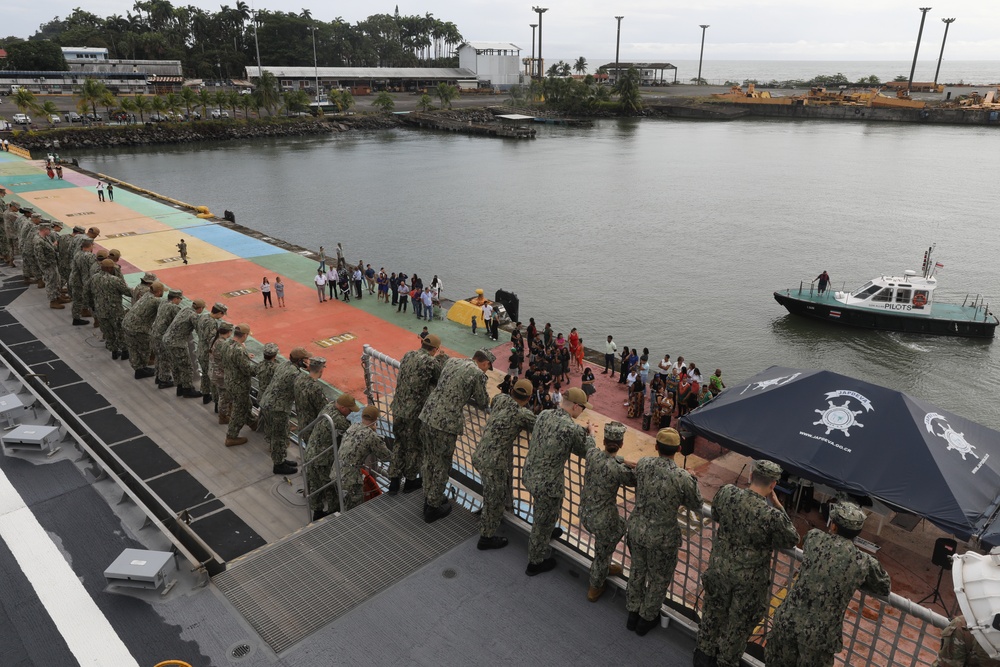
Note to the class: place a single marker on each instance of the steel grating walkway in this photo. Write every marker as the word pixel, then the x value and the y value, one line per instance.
pixel 291 589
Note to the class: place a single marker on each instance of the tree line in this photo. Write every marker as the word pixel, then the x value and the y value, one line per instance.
pixel 214 45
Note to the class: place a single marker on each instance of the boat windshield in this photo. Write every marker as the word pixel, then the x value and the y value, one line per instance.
pixel 865 291
pixel 884 295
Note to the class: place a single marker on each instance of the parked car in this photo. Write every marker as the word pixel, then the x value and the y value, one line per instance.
pixel 159 117
pixel 54 118
pixel 73 117
pixel 219 114
pixel 194 115
pixel 94 117
pixel 21 119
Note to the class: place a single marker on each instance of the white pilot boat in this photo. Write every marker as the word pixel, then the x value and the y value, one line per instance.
pixel 895 303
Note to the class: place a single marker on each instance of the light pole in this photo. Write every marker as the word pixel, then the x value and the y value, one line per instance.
pixel 260 70
pixel 313 30
pixel 913 67
pixel 702 55
pixel 531 72
pixel 947 24
pixel 541 63
pixel 618 43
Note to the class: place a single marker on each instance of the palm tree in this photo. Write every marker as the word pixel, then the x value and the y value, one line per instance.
pixel 25 100
pixel 204 99
pixel 189 98
pixel 564 68
pixel 552 71
pixel 384 102
pixel 127 104
pixel 267 90
pixel 425 102
pixel 173 103
pixel 221 99
pixel 627 89
pixel 92 92
pixel 158 105
pixel 109 102
pixel 48 107
pixel 246 103
pixel 142 105
pixel 346 99
pixel 580 66
pixel 233 101
pixel 446 93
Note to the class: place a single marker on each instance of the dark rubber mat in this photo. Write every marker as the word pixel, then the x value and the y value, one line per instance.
pixel 12 334
pixel 81 398
pixel 6 318
pixel 110 426
pixel 228 534
pixel 57 373
pixel 32 352
pixel 207 508
pixel 179 490
pixel 8 294
pixel 145 457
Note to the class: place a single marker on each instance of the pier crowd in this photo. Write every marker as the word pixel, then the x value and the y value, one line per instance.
pixel 163 338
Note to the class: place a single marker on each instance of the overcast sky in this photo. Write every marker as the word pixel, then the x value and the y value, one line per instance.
pixel 654 29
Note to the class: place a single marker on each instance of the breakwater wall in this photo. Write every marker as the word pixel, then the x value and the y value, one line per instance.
pixel 847 113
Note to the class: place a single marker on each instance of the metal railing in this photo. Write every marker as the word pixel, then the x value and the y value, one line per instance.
pixel 892 631
pixel 306 492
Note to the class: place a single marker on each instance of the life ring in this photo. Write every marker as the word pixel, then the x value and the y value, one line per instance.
pixel 857 111
pixel 919 300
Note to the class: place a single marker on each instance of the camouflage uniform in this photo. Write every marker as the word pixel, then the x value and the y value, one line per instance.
pixel 10 231
pixel 320 471
pixel 553 439
pixel 959 648
pixel 653 534
pixel 164 316
pixel 67 246
pixel 442 420
pixel 808 626
pixel 139 291
pixel 494 457
pixel 88 290
pixel 738 577
pixel 276 406
pixel 176 341
pixel 206 327
pixel 265 373
pixel 26 241
pixel 108 290
pixel 418 374
pixel 309 399
pixel 82 269
pixel 239 370
pixel 358 444
pixel 216 369
pixel 136 325
pixel 599 507
pixel 47 264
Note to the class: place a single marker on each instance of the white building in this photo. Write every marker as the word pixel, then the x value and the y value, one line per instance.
pixel 77 55
pixel 498 64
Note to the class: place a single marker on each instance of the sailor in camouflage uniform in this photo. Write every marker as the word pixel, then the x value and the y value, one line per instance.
pixel 144 286
pixel 239 371
pixel 165 314
pixel 320 471
pixel 442 420
pixel 67 248
pixel 206 327
pixel 276 408
pixel 808 626
pixel 605 474
pixel 959 648
pixel 177 341
pixel 10 216
pixel 266 368
pixel 88 291
pixel 359 443
pixel 216 369
pixel 419 371
pixel 80 268
pixel 494 458
pixel 654 537
pixel 136 325
pixel 308 391
pixel 108 289
pixel 751 524
pixel 26 241
pixel 556 435
pixel 47 261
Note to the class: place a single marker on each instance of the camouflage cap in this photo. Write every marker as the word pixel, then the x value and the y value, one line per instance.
pixel 271 350
pixel 225 327
pixel 847 515
pixel 56 224
pixel 432 341
pixel 198 303
pixel 148 277
pixel 107 264
pixel 175 294
pixel 347 401
pixel 614 431
pixel 371 413
pixel 317 363
pixel 486 353
pixel 299 353
pixel 243 329
pixel 578 396
pixel 767 469
pixel 46 225
pixel 669 437
pixel 221 307
pixel 522 389
pixel 79 230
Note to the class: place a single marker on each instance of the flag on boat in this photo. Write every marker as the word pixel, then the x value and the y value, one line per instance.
pixel 834 313
pixel 938 265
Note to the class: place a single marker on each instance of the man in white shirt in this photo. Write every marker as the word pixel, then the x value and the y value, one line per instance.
pixel 358 277
pixel 610 348
pixel 331 281
pixel 320 281
pixel 487 316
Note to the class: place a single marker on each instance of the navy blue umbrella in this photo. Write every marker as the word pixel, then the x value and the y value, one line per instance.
pixel 866 440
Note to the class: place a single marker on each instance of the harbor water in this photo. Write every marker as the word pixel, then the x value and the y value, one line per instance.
pixel 669 235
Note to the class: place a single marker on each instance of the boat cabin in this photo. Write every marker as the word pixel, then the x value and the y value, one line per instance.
pixel 911 293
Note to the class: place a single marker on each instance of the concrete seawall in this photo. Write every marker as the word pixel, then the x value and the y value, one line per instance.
pixel 727 111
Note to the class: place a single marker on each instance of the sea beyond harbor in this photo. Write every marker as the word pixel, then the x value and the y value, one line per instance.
pixel 669 235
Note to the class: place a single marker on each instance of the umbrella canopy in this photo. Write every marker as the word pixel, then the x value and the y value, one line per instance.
pixel 866 440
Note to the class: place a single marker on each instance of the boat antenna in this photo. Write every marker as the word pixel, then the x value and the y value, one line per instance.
pixel 928 266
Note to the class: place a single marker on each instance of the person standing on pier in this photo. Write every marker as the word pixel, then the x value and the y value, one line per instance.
pixel 182 248
pixel 808 627
pixel 605 474
pixel 610 348
pixel 494 458
pixel 556 435
pixel 100 191
pixel 419 371
pixel 322 259
pixel 442 420
pixel 320 281
pixel 111 192
pixel 654 537
pixel 751 524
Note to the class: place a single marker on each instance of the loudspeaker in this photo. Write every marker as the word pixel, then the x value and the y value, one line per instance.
pixel 687 444
pixel 944 549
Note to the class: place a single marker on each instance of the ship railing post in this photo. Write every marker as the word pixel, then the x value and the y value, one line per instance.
pixel 309 493
pixel 800 287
